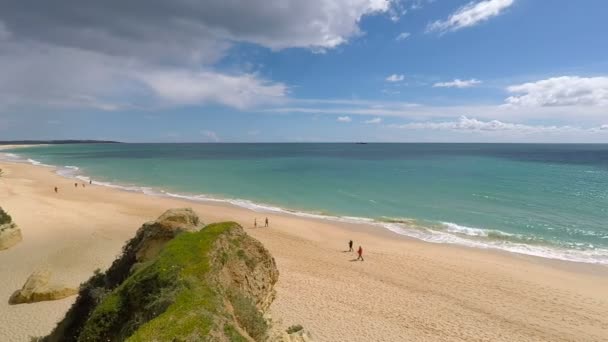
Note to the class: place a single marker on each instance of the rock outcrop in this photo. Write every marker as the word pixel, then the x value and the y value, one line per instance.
pixel 10 234
pixel 298 336
pixel 152 236
pixel 38 288
pixel 175 282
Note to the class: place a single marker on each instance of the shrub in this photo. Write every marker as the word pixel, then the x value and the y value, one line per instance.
pixel 248 316
pixel 294 329
pixel 4 217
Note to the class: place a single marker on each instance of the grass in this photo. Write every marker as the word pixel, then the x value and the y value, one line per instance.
pixel 175 297
pixel 170 299
pixel 248 316
pixel 231 332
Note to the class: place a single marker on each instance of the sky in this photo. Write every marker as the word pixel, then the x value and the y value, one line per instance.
pixel 304 71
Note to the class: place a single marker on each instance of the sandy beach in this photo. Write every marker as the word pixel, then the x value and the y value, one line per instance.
pixel 405 290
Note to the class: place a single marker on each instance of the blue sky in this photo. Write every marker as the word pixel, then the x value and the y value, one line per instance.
pixel 322 70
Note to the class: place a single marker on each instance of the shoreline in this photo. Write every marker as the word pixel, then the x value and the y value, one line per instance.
pixel 399 227
pixel 405 290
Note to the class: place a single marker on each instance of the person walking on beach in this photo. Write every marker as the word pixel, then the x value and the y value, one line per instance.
pixel 350 245
pixel 90 181
pixel 56 190
pixel 360 252
pixel 266 222
pixel 255 223
pixel 75 185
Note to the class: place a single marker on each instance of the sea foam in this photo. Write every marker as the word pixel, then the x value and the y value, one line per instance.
pixel 451 233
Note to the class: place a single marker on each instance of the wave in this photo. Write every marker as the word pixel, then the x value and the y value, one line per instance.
pixel 445 232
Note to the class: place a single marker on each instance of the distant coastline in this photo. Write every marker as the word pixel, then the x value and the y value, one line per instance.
pixel 56 142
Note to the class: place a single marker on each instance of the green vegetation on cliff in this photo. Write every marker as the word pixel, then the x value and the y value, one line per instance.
pixel 209 285
pixel 4 217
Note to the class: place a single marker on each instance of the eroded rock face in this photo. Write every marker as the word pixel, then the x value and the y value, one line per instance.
pixel 154 235
pixel 252 270
pixel 38 288
pixel 10 235
pixel 226 276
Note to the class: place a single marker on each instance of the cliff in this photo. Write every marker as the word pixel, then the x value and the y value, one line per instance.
pixel 176 281
pixel 10 234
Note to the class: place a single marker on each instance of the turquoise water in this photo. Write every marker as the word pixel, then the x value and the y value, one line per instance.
pixel 545 200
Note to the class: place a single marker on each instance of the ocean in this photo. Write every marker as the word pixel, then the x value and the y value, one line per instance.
pixel 547 200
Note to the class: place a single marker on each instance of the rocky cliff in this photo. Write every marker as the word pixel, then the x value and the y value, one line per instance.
pixel 10 234
pixel 176 281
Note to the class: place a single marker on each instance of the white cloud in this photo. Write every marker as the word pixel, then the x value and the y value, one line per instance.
pixel 403 36
pixel 470 124
pixel 373 121
pixel 109 56
pixel 457 83
pixel 49 76
pixel 4 33
pixel 344 119
pixel 417 111
pixel 395 78
pixel 274 24
pixel 210 135
pixel 193 87
pixel 470 14
pixel 561 91
pixel 391 91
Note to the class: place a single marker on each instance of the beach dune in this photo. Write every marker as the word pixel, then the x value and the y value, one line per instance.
pixel 405 290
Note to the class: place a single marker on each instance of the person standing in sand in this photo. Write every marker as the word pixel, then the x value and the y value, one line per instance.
pixel 360 252
pixel 90 181
pixel 266 222
pixel 255 223
pixel 56 190
pixel 350 245
pixel 75 185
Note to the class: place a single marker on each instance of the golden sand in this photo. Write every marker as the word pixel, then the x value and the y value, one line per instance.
pixel 405 290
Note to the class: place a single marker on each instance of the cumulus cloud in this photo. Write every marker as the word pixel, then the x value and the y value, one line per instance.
pixel 403 36
pixel 395 78
pixel 470 14
pixel 289 23
pixel 4 33
pixel 561 91
pixel 344 119
pixel 457 83
pixel 373 121
pixel 103 54
pixel 187 87
pixel 51 76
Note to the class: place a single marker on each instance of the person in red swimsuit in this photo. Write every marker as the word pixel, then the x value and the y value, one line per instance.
pixel 360 252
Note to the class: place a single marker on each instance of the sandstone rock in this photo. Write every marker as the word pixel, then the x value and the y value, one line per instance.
pixel 152 236
pixel 227 276
pixel 252 270
pixel 10 235
pixel 37 288
pixel 300 336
